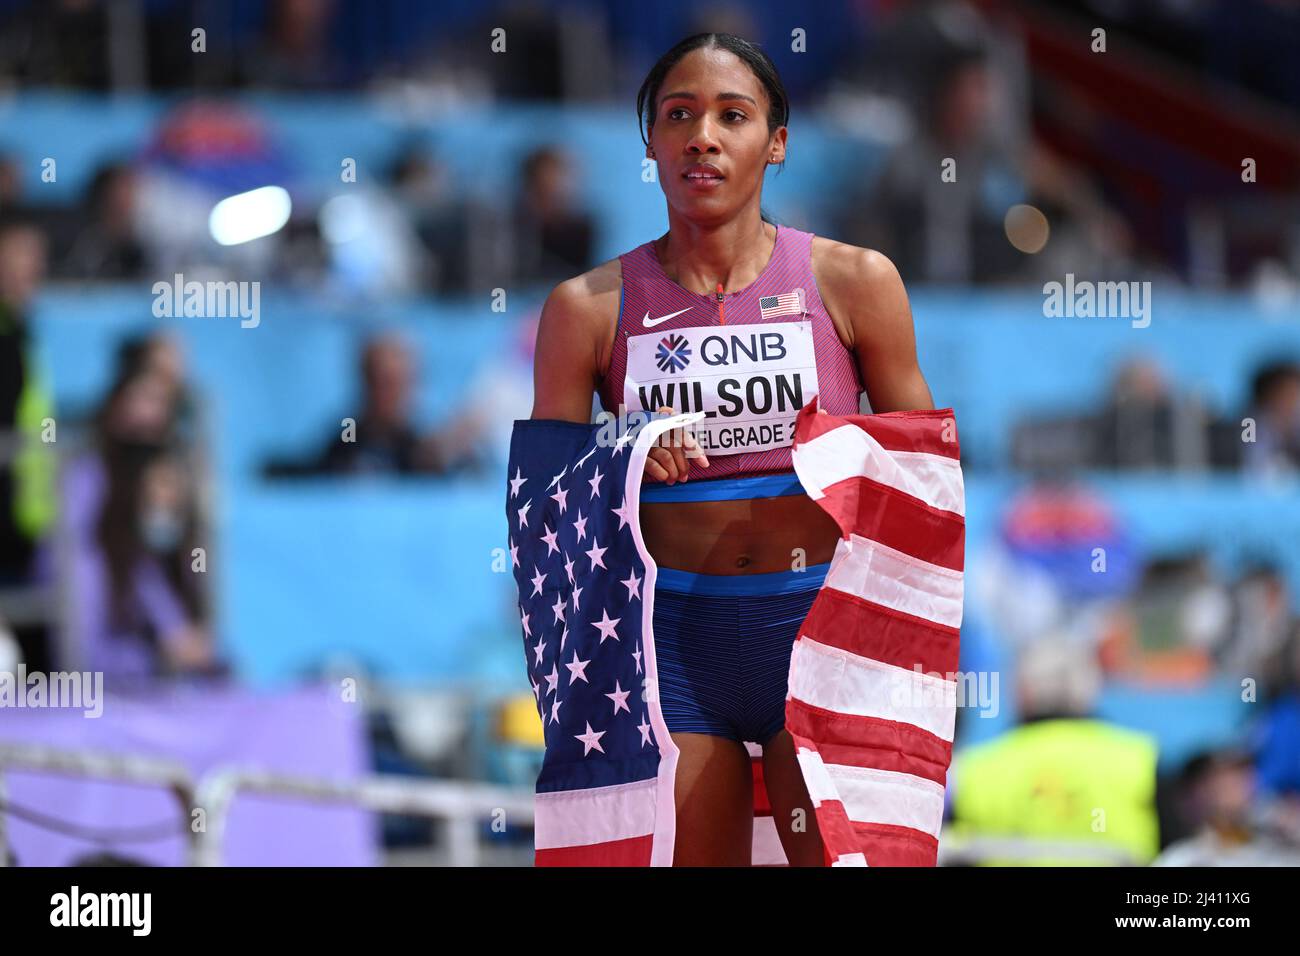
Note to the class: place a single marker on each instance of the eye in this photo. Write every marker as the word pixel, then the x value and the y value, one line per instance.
pixel 737 113
pixel 672 113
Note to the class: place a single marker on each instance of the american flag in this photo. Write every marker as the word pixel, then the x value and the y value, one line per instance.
pixel 871 703
pixel 790 303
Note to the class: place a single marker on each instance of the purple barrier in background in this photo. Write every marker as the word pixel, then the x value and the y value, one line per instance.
pixel 305 732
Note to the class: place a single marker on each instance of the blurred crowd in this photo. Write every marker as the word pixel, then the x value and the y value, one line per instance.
pixel 1067 787
pixel 148 216
pixel 105 543
pixel 1083 607
pixel 1147 422
pixel 958 85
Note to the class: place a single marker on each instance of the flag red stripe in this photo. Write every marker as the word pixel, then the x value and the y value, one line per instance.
pixel 886 845
pixel 634 851
pixel 901 433
pixel 861 627
pixel 869 742
pixel 886 515
pixel 762 803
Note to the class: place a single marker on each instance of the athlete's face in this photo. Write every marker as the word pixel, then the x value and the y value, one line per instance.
pixel 710 135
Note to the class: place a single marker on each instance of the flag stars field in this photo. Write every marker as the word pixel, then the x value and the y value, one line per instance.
pixel 633 585
pixel 606 626
pixel 619 697
pixel 591 740
pixel 577 669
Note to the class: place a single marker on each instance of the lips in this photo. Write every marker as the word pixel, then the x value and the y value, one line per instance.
pixel 705 176
pixel 703 171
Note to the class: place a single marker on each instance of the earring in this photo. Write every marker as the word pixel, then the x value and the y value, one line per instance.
pixel 652 152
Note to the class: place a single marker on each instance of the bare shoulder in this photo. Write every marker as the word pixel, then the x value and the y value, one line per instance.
pixel 574 341
pixel 584 309
pixel 852 270
pixel 586 292
pixel 860 287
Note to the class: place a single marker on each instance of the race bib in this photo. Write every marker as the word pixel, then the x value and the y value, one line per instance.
pixel 749 381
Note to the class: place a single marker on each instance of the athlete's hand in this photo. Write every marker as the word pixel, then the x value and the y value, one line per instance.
pixel 666 460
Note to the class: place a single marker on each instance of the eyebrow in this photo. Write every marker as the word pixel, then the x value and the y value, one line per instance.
pixel 683 95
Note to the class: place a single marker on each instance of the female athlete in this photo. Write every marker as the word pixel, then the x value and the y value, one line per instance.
pixel 745 319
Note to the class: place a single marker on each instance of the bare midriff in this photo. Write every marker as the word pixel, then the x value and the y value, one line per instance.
pixel 748 536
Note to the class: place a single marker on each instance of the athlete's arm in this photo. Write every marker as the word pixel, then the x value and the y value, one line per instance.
pixel 565 359
pixel 863 288
pixel 567 364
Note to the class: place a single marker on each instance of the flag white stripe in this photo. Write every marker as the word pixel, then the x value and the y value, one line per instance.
pixel 820 787
pixel 851 452
pixel 663 810
pixel 597 815
pixel 767 849
pixel 871 795
pixel 838 681
pixel 882 575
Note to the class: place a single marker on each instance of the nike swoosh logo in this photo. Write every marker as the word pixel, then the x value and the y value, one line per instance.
pixel 650 323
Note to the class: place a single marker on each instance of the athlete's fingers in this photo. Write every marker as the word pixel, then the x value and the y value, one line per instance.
pixel 693 450
pixel 671 441
pixel 659 465
pixel 674 440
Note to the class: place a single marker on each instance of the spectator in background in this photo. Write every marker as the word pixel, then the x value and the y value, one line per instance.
pixel 939 231
pixel 27 500
pixel 1278 747
pixel 106 247
pixel 451 228
pixel 56 43
pixel 130 508
pixel 384 440
pixel 1043 780
pixel 1231 826
pixel 551 238
pixel 1263 622
pixel 1275 408
pixel 171 504
pixel 294 51
pixel 159 355
pixel 1169 628
pixel 11 186
pixel 1144 424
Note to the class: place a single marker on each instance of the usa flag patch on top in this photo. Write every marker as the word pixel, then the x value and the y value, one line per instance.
pixel 790 303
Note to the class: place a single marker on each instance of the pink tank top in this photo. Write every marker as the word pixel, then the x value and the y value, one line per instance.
pixel 749 362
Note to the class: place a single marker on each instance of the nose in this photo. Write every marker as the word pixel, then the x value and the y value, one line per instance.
pixel 702 139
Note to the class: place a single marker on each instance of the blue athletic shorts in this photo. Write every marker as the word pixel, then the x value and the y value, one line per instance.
pixel 722 648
